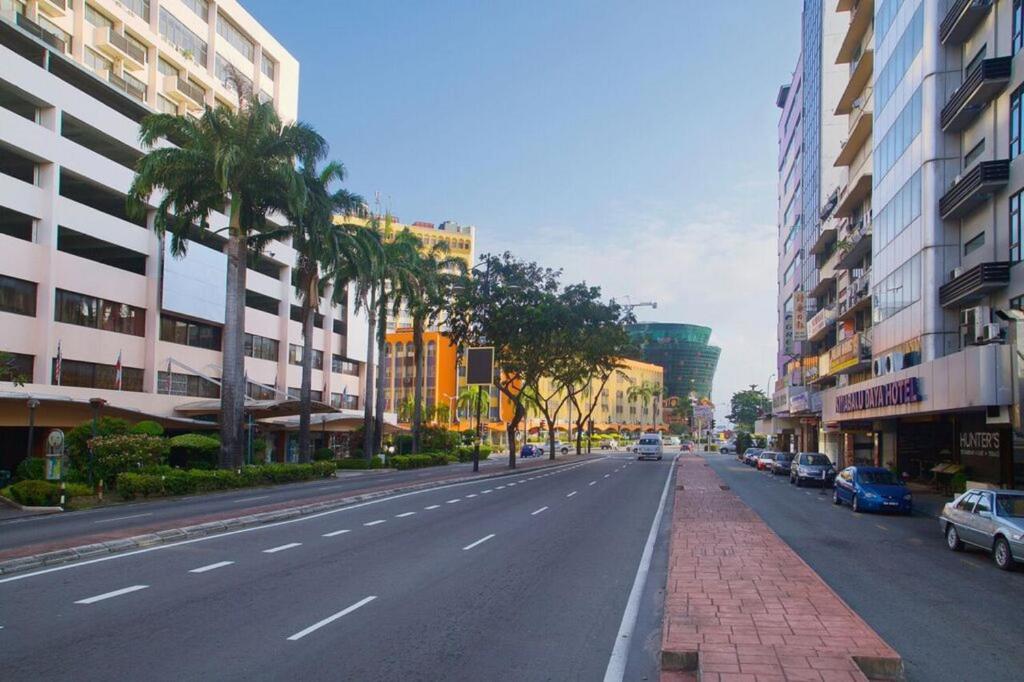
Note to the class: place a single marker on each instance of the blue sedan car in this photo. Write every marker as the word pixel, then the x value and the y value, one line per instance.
pixel 872 489
pixel 529 450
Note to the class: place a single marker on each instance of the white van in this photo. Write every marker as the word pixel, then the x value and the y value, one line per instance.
pixel 650 446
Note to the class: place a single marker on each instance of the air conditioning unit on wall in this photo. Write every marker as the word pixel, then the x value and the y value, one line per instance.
pixel 991 333
pixel 894 361
pixel 972 324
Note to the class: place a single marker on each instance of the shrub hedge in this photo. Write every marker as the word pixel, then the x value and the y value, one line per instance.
pixel 358 463
pixel 31 469
pixel 427 459
pixel 194 451
pixel 465 452
pixel 156 481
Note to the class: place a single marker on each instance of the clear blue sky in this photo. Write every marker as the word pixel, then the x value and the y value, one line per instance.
pixel 631 143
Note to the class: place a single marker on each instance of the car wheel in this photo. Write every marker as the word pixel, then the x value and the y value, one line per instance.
pixel 835 498
pixel 1002 555
pixel 953 540
pixel 856 504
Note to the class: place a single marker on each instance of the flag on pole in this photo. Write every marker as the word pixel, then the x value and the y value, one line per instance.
pixel 57 366
pixel 118 373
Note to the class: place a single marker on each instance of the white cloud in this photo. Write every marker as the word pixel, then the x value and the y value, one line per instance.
pixel 712 270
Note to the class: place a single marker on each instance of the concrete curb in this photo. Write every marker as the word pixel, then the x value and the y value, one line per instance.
pixel 34 510
pixel 170 535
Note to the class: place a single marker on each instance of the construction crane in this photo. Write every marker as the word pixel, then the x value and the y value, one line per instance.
pixel 628 306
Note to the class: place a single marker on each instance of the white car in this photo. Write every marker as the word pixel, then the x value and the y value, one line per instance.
pixel 650 446
pixel 560 447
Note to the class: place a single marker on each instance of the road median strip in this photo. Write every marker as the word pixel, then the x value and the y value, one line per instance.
pixel 169 535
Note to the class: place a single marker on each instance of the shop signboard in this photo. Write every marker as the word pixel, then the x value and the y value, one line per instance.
pixel 799 316
pixel 846 353
pixel 811 373
pixel 900 392
pixel 798 401
pixel 780 402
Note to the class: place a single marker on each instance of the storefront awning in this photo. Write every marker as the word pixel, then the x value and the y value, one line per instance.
pixel 258 409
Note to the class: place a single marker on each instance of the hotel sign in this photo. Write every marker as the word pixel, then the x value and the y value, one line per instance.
pixel 901 392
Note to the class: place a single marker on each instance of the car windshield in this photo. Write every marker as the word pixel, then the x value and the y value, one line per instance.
pixel 1010 505
pixel 648 441
pixel 877 477
pixel 816 460
pixel 784 457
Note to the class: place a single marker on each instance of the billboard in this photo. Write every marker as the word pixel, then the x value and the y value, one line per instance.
pixel 195 284
pixel 480 366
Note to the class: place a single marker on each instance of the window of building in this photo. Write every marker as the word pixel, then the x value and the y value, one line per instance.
pixel 259 392
pixel 900 60
pixel 886 14
pixel 898 213
pixel 139 8
pixel 295 313
pixel 96 313
pixel 345 401
pixel 1018 25
pixel 189 333
pixel 1016 122
pixel 166 68
pixel 341 365
pixel 19 366
pixel 899 136
pixel 97 62
pixel 96 375
pixel 229 75
pixel 200 7
pixel 97 18
pixel 17 296
pixel 236 37
pixel 976 60
pixel 975 152
pixel 261 302
pixel 267 65
pixel 179 35
pixel 296 394
pixel 1015 228
pixel 788 274
pixel 260 347
pixel 165 105
pixel 974 243
pixel 898 290
pixel 295 356
pixel 185 384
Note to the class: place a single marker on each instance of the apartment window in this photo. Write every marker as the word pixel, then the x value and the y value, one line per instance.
pixel 345 402
pixel 788 275
pixel 20 366
pixel 189 333
pixel 1018 25
pixel 339 325
pixel 340 365
pixel 200 7
pixel 227 30
pixel 267 65
pixel 165 105
pixel 139 45
pixel 17 296
pixel 96 313
pixel 899 62
pixel 97 62
pixel 228 74
pixel 899 136
pixel 884 17
pixel 94 17
pixel 296 394
pixel 1015 228
pixel 295 313
pixel 260 347
pixel 789 238
pixel 174 383
pixel 179 35
pixel 258 392
pixel 1017 303
pixel 897 291
pixel 139 8
pixel 166 68
pixel 974 243
pixel 295 356
pixel 975 60
pixel 56 30
pixel 261 302
pixel 973 155
pixel 96 375
pixel 1016 122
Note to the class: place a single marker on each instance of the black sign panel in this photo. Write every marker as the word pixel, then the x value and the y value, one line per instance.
pixel 480 366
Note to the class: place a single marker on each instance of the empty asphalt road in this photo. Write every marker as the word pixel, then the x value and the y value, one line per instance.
pixel 524 577
pixel 952 616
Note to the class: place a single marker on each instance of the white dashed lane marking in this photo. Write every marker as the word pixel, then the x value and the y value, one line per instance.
pixel 403 515
pixel 571 494
pixel 433 506
pixel 538 511
pixel 335 533
pixel 478 542
pixel 281 548
pixel 211 567
pixel 109 595
pixel 374 523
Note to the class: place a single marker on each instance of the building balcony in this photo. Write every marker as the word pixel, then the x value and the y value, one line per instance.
pixel 974 188
pixel 182 91
pixel 52 8
pixel 974 284
pixel 851 355
pixel 32 28
pixel 130 86
pixel 856 298
pixel 979 88
pixel 860 76
pixel 860 24
pixel 818 326
pixel 826 236
pixel 116 46
pixel 860 133
pixel 961 20
pixel 854 246
pixel 857 190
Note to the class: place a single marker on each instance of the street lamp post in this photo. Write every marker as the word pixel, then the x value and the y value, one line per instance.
pixel 476 448
pixel 95 404
pixel 32 405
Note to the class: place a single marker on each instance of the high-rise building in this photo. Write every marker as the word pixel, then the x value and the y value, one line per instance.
pixel 927 228
pixel 88 288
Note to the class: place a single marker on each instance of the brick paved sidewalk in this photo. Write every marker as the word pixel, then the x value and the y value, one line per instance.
pixel 741 605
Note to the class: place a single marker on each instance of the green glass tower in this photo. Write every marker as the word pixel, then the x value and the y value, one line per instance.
pixel 681 350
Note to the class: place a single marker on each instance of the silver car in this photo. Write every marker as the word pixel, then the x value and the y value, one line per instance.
pixel 990 519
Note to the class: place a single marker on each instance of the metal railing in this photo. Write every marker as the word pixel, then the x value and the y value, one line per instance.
pixel 38 31
pixel 121 43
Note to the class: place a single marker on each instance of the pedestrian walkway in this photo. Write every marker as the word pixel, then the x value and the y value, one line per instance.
pixel 741 605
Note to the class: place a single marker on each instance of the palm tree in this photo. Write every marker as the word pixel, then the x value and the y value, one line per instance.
pixel 323 249
pixel 644 392
pixel 472 398
pixel 243 160
pixel 442 413
pixel 436 272
pixel 406 409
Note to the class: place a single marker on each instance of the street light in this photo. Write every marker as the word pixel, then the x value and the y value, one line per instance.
pixel 32 405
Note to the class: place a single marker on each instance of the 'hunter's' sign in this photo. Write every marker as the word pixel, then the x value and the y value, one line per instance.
pixel 900 392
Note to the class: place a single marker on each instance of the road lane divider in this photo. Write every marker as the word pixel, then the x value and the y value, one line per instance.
pixel 571 494
pixel 374 523
pixel 433 506
pixel 453 501
pixel 111 595
pixel 335 533
pixel 330 619
pixel 211 567
pixel 281 548
pixel 478 542
pixel 538 511
pixel 403 515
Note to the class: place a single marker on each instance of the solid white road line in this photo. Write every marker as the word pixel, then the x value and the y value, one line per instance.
pixel 452 501
pixel 281 548
pixel 330 619
pixel 592 483
pixel 571 494
pixel 374 523
pixel 403 515
pixel 250 499
pixel 433 506
pixel 335 533
pixel 480 541
pixel 534 513
pixel 122 518
pixel 616 670
pixel 108 595
pixel 470 495
pixel 211 567
pixel 484 492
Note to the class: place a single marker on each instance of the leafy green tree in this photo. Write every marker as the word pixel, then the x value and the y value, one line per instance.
pixel 9 371
pixel 646 392
pixel 243 160
pixel 747 406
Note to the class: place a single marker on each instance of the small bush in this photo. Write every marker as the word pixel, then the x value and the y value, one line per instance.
pixel 178 482
pixel 354 463
pixel 131 485
pixel 77 490
pixel 324 468
pixel 323 454
pixel 77 439
pixel 439 439
pixel 147 428
pixel 403 462
pixel 35 493
pixel 465 452
pixel 128 452
pixel 31 469
pixel 194 451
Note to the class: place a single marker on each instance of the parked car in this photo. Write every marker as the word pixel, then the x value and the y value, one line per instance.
pixel 811 467
pixel 728 449
pixel 560 447
pixel 781 463
pixel 650 446
pixel 765 460
pixel 990 519
pixel 742 456
pixel 872 489
pixel 751 455
pixel 529 450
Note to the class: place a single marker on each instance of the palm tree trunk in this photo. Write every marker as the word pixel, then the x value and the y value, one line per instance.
pixel 305 395
pixel 378 427
pixel 371 338
pixel 232 396
pixel 417 408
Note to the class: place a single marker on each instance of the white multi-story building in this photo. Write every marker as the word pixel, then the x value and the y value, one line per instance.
pixel 79 274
